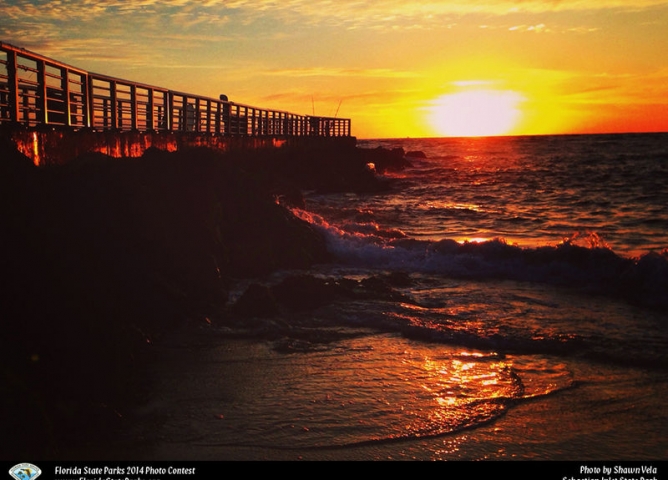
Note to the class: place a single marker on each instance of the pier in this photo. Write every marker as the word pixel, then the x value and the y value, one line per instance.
pixel 53 112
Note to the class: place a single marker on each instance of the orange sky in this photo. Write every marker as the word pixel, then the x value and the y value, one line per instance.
pixel 397 68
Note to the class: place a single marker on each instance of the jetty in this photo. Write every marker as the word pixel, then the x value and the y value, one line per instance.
pixel 54 112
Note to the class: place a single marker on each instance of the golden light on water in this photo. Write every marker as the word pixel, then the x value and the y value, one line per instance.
pixel 460 381
pixel 476 112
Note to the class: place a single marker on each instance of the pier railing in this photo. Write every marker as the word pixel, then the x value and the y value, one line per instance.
pixel 36 90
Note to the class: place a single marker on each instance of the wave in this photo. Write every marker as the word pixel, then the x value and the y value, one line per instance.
pixel 582 263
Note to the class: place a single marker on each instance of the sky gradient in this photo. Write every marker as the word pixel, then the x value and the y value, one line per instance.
pixel 396 68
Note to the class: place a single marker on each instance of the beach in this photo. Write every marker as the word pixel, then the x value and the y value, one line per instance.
pixel 427 299
pixel 206 390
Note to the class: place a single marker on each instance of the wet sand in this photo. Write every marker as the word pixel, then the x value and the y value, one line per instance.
pixel 199 383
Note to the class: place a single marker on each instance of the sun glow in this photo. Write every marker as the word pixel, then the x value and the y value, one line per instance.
pixel 478 112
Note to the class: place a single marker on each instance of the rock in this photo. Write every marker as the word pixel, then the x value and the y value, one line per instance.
pixel 398 152
pixel 305 292
pixel 416 154
pixel 256 301
pixel 385 160
pixel 101 256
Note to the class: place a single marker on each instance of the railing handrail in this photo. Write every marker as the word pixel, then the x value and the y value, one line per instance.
pixel 104 77
pixel 64 95
pixel 8 47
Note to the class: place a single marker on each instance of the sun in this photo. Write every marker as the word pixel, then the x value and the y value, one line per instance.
pixel 478 112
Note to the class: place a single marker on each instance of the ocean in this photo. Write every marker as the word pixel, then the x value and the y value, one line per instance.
pixel 528 317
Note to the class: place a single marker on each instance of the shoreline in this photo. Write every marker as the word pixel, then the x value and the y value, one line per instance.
pixel 548 428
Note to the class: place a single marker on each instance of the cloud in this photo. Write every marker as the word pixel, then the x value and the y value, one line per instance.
pixel 341 72
pixel 159 32
pixel 412 12
pixel 540 28
pixel 350 13
pixel 26 21
pixel 139 31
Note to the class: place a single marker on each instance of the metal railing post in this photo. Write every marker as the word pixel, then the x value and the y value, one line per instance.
pixel 133 107
pixel 13 81
pixel 65 85
pixel 87 90
pixel 168 112
pixel 113 100
pixel 42 96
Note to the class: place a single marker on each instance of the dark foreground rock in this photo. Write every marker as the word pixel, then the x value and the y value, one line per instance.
pixel 416 154
pixel 325 170
pixel 100 256
pixel 305 292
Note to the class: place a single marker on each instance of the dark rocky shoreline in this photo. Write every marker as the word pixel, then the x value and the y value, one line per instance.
pixel 101 256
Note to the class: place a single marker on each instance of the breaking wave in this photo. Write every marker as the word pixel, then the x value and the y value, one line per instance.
pixel 582 263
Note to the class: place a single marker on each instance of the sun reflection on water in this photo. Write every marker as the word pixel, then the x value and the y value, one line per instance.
pixel 372 389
